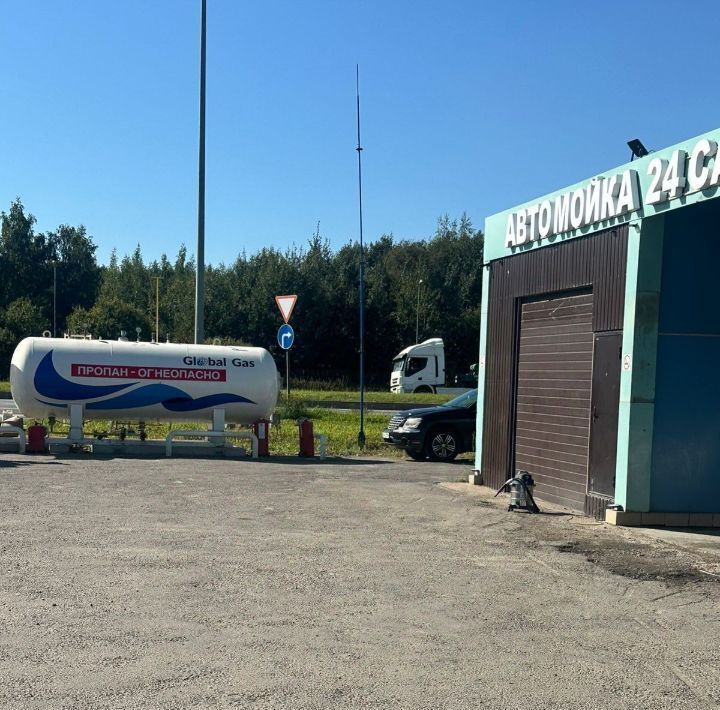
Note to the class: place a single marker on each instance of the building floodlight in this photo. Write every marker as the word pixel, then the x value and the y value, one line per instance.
pixel 637 148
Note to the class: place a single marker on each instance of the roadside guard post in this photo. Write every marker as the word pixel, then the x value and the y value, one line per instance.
pixel 307 440
pixel 261 429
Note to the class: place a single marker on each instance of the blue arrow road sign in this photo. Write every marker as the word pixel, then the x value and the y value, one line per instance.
pixel 286 336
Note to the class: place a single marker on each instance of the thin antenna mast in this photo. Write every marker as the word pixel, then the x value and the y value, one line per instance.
pixel 361 433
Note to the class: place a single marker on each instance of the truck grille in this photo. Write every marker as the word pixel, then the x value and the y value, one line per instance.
pixel 396 421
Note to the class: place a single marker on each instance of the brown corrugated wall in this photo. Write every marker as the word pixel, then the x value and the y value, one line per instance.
pixel 596 262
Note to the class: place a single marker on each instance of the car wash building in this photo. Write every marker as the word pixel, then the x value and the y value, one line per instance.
pixel 600 341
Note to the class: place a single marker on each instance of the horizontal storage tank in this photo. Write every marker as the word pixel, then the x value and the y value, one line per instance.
pixel 142 381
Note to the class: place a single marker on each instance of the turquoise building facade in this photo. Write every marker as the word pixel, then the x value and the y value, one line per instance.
pixel 664 209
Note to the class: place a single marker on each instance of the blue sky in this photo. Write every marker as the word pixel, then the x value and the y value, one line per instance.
pixel 466 106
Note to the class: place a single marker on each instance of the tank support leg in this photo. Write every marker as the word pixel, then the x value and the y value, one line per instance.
pixel 218 424
pixel 76 423
pixel 218 420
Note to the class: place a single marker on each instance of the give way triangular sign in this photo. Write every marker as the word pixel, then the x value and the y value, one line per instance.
pixel 286 305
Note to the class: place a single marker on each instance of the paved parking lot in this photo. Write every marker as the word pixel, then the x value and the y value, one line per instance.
pixel 355 584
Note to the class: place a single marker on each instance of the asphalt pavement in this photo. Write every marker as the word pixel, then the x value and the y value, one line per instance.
pixel 347 584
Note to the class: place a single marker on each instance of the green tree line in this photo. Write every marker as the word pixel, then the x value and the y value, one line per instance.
pixel 438 279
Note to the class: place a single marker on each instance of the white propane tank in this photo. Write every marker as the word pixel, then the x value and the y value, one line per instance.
pixel 142 381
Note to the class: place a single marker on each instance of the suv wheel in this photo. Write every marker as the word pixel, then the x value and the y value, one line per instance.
pixel 441 445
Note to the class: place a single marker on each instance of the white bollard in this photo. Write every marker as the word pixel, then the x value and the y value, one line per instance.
pixel 322 438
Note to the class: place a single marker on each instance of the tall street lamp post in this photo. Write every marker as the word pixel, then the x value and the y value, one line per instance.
pixel 417 313
pixel 361 433
pixel 200 257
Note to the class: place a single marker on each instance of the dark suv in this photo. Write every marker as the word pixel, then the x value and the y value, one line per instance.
pixel 437 433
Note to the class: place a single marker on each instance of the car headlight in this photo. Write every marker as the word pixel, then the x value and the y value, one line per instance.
pixel 413 423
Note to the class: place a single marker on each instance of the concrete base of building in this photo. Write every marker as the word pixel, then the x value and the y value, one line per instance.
pixel 475 478
pixel 674 520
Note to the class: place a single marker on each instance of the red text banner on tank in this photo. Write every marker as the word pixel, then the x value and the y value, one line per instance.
pixel 141 372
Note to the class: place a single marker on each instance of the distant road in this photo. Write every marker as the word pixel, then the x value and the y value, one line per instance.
pixel 355 404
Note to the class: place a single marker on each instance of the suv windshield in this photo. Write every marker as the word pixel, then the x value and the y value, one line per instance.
pixel 398 364
pixel 464 401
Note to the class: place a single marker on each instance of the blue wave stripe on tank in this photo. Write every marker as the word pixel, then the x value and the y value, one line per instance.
pixel 172 398
pixel 49 383
pixel 211 400
pixel 52 404
pixel 141 397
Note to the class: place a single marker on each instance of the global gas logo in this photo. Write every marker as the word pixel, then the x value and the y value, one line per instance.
pixel 217 361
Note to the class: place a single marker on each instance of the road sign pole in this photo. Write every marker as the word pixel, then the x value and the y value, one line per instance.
pixel 286 334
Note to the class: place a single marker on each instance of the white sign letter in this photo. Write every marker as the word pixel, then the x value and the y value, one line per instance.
pixel 510 231
pixel 520 228
pixel 715 177
pixel 674 181
pixel 562 213
pixel 629 196
pixel 545 219
pixel 532 222
pixel 592 201
pixel 656 168
pixel 698 172
pixel 577 208
pixel 610 190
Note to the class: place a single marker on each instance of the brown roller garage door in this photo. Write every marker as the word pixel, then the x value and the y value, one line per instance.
pixel 554 382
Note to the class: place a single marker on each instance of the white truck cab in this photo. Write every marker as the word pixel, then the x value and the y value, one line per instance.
pixel 419 368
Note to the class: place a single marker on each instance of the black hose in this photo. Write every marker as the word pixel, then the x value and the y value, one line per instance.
pixel 533 505
pixel 505 485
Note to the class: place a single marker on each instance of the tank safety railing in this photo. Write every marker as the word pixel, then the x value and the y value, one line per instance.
pixel 210 434
pixel 322 438
pixel 22 440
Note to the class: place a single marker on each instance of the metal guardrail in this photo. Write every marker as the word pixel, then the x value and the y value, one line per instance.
pixel 211 434
pixel 22 441
pixel 8 407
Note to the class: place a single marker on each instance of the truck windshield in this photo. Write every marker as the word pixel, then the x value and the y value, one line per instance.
pixel 398 364
pixel 464 401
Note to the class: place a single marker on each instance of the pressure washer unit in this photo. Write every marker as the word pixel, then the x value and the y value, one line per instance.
pixel 520 488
